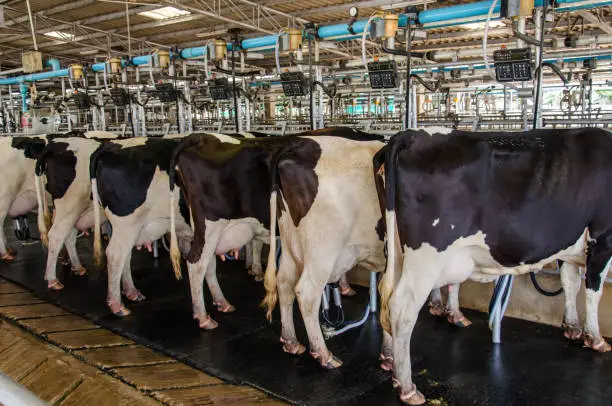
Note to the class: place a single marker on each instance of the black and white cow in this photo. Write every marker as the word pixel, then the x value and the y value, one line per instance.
pixel 329 221
pixel 479 205
pixel 18 157
pixel 64 164
pixel 227 186
pixel 130 179
pixel 17 190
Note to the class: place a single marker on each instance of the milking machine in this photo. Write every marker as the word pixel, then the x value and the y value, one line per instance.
pixel 21 228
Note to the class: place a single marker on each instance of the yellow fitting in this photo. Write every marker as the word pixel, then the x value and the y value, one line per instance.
pixel 391 24
pixel 163 58
pixel 220 49
pixel 76 71
pixel 114 65
pixel 295 38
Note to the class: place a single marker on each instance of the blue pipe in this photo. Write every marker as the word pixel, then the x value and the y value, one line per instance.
pixel 23 89
pixel 192 52
pixel 35 76
pixel 52 63
pixel 459 11
pixel 265 41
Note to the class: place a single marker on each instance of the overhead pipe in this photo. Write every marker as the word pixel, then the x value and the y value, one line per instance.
pixel 52 63
pixel 452 15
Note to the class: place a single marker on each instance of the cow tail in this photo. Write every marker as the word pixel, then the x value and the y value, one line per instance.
pixel 270 276
pixel 43 216
pixel 271 298
pixel 97 247
pixel 388 280
pixel 175 252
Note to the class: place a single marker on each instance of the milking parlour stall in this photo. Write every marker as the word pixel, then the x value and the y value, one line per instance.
pixel 332 202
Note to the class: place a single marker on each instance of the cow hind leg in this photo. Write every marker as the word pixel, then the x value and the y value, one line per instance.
pixel 256 268
pixel 129 290
pixel 570 279
pixel 436 306
pixel 118 251
pixel 419 275
pixel 62 231
pixel 454 315
pixel 598 263
pixel 197 271
pixel 75 263
pixel 6 253
pixel 386 353
pixel 345 287
pixel 219 299
pixel 309 290
pixel 286 282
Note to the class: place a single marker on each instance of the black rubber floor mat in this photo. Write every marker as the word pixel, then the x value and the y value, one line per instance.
pixel 451 366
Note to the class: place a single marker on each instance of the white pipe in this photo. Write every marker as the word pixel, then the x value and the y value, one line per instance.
pixel 366 29
pixel 484 39
pixel 8 72
pixel 277 52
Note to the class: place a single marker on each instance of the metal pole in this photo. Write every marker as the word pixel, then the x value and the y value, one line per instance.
pixel 408 87
pixel 247 103
pixel 32 25
pixel 236 123
pixel 540 17
pixel 312 126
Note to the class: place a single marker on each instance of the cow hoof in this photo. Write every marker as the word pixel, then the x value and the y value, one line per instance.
pixel 458 319
pixel 10 255
pixel 80 271
pixel 122 312
pixel 347 291
pixel 225 307
pixel 386 362
pixel 411 397
pixel 572 332
pixel 55 285
pixel 292 347
pixel 259 277
pixel 599 344
pixel 206 323
pixel 437 309
pixel 332 362
pixel 135 296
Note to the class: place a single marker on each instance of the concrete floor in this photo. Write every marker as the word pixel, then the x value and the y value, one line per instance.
pixel 70 361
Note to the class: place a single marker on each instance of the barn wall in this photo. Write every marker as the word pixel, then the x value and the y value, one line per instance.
pixel 525 302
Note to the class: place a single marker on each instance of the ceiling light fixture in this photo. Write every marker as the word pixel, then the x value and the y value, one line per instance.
pixel 165 13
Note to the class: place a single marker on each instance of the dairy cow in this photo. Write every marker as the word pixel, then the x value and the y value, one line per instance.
pixel 18 189
pixel 329 222
pixel 62 169
pixel 227 187
pixel 479 205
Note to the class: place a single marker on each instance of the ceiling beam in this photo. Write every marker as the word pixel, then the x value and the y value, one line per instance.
pixel 592 18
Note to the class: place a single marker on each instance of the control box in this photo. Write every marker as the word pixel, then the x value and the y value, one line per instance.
pixel 383 75
pixel 294 84
pixel 166 92
pixel 513 65
pixel 219 89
